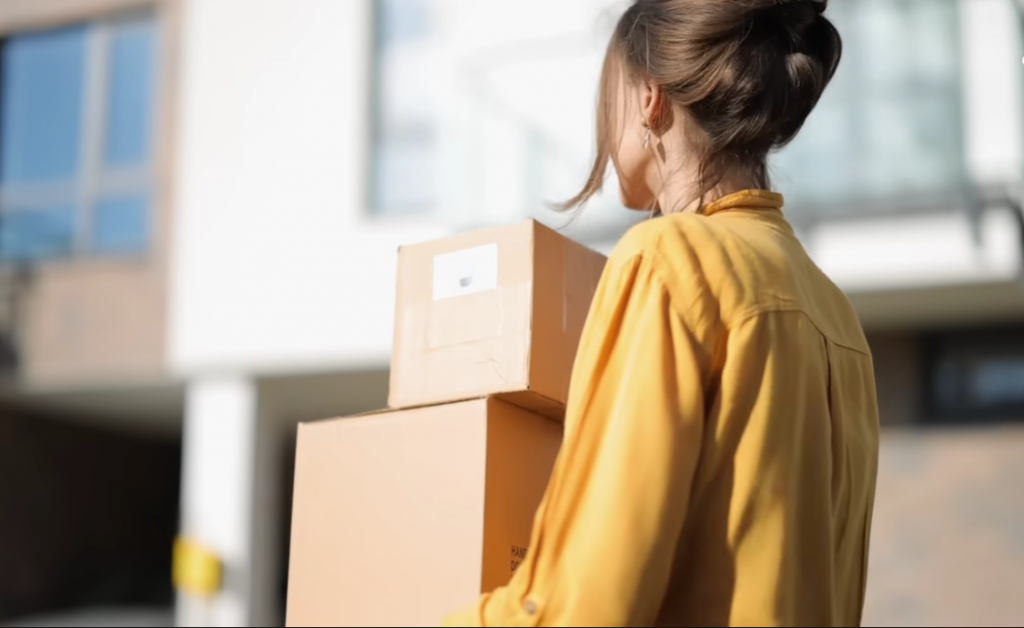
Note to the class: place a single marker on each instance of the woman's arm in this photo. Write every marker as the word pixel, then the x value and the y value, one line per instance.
pixel 605 537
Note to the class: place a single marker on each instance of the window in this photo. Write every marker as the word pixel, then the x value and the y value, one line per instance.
pixel 76 109
pixel 403 177
pixel 890 122
pixel 977 376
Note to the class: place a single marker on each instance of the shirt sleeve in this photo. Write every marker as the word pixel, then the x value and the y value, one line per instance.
pixel 606 533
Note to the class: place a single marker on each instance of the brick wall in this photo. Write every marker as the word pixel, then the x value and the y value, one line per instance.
pixel 948 540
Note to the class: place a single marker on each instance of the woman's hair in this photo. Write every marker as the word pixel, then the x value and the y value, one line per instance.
pixel 745 73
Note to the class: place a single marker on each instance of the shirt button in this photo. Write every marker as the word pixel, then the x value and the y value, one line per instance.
pixel 530 607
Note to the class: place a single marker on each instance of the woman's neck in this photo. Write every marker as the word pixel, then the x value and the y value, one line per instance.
pixel 679 195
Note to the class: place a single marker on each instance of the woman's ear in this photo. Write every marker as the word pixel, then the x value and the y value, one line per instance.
pixel 652 103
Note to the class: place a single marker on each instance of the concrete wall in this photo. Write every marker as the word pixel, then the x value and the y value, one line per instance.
pixel 277 263
pixel 993 87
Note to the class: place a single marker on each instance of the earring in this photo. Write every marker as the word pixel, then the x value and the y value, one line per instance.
pixel 647 136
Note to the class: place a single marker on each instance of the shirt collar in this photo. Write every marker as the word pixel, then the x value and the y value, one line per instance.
pixel 746 199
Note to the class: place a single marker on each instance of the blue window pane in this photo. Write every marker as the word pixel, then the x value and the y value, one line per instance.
pixel 130 94
pixel 121 225
pixel 403 176
pixel 402 20
pixel 889 125
pixel 41 106
pixel 999 381
pixel 33 234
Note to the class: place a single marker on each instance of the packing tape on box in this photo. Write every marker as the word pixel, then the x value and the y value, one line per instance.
pixel 482 316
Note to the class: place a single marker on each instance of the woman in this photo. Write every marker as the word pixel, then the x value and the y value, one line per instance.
pixel 722 431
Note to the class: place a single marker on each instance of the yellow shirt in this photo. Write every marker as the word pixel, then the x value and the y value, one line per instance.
pixel 721 440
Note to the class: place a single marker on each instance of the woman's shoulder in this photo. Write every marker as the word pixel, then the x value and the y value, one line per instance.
pixel 667 254
pixel 723 269
pixel 663 241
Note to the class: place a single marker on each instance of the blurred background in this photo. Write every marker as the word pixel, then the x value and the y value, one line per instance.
pixel 200 204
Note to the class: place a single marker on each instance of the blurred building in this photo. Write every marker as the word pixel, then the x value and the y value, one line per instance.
pixel 200 203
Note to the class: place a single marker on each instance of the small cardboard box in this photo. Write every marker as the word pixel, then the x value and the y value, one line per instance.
pixel 403 517
pixel 494 311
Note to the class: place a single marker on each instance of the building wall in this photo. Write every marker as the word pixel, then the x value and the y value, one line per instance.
pixel 899 376
pixel 17 15
pixel 101 320
pixel 276 263
pixel 89 321
pixel 993 100
pixel 269 255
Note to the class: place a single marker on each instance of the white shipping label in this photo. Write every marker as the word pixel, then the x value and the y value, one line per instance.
pixel 466 272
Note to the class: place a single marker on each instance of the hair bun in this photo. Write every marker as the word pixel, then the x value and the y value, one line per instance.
pixel 816 7
pixel 819 6
pixel 790 19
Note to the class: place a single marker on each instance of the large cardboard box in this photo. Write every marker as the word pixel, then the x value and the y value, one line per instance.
pixel 403 517
pixel 494 311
